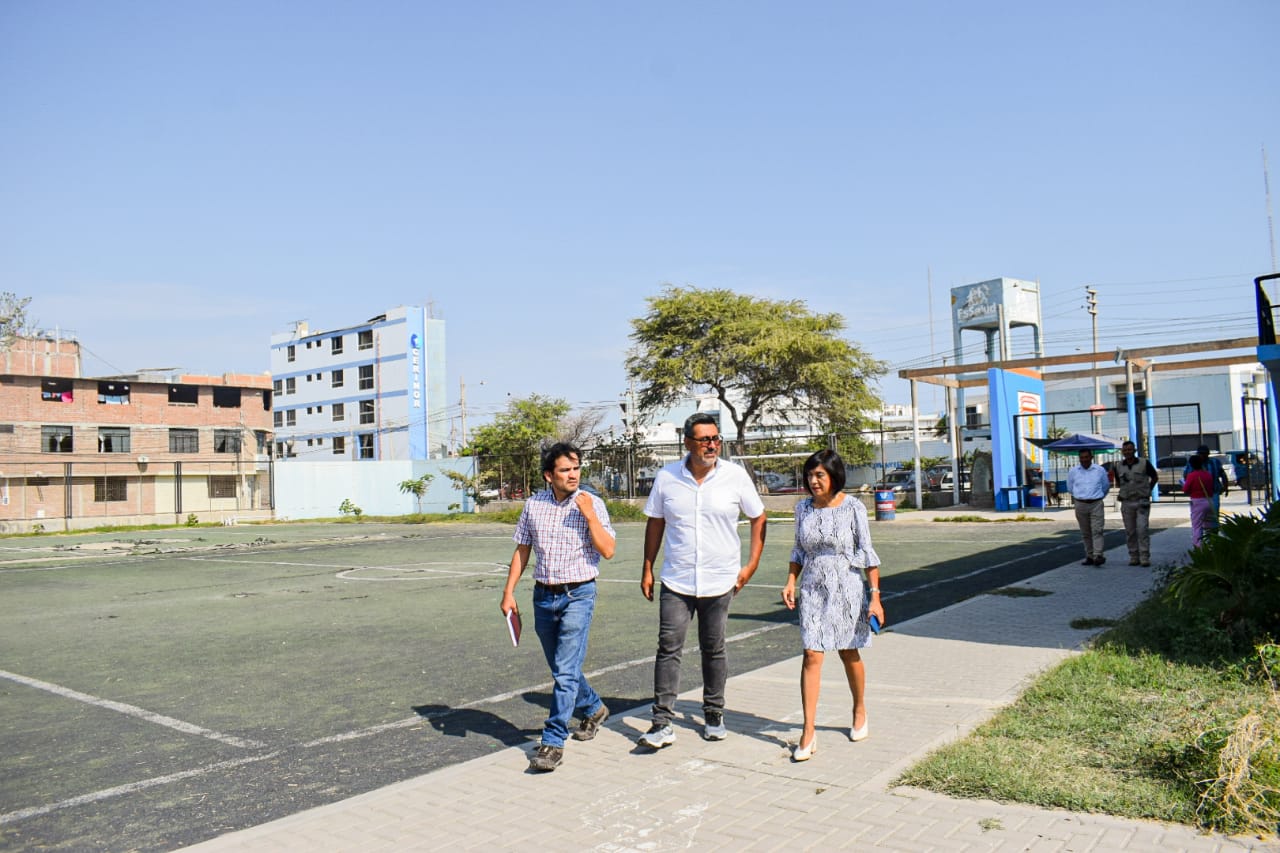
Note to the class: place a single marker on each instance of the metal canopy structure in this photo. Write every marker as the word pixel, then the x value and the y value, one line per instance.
pixel 1114 362
pixel 1120 361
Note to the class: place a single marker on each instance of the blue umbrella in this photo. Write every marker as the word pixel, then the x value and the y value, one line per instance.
pixel 1078 441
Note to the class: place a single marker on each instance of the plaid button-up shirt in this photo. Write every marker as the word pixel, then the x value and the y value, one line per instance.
pixel 560 537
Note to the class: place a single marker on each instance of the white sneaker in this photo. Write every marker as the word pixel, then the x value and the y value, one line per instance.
pixel 715 728
pixel 658 736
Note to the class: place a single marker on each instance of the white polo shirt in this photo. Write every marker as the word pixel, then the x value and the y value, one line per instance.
pixel 702 554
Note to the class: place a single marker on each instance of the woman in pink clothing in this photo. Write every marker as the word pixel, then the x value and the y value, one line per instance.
pixel 1198 485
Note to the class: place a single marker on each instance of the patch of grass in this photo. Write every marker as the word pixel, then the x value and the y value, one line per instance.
pixel 983 519
pixel 1150 723
pixel 1020 592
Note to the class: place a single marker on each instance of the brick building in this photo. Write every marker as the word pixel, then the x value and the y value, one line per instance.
pixel 79 452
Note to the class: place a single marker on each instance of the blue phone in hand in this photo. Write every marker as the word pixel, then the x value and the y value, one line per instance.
pixel 875 624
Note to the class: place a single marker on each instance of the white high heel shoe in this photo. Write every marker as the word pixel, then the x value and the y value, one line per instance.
pixel 856 735
pixel 804 753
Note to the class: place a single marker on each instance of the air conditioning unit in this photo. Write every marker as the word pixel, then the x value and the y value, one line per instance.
pixel 143 460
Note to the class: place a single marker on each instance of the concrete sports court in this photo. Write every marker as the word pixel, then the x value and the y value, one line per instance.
pixel 163 688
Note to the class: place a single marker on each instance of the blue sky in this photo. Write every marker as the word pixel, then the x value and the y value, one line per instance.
pixel 181 180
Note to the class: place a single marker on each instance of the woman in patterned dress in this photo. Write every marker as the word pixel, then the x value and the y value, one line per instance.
pixel 832 550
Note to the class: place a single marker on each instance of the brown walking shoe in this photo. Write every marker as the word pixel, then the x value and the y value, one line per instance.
pixel 546 758
pixel 591 724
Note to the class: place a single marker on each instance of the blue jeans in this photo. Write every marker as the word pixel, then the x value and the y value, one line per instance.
pixel 562 621
pixel 675 612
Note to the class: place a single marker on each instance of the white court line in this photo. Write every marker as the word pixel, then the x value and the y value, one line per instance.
pixel 121 790
pixel 132 711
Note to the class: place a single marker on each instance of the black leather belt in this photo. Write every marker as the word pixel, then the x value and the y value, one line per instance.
pixel 1088 500
pixel 560 588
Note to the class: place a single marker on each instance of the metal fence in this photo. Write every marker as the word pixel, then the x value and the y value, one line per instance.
pixel 626 470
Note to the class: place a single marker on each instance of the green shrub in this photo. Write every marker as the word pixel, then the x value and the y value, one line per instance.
pixel 1234 578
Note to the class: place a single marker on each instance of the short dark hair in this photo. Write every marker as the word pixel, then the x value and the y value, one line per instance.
pixel 1127 443
pixel 555 451
pixel 1196 462
pixel 829 461
pixel 697 419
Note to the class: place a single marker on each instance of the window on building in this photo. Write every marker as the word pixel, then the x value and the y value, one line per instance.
pixel 260 436
pixel 365 442
pixel 110 489
pixel 308 377
pixel 277 385
pixel 226 398
pixel 339 445
pixel 291 417
pixel 308 410
pixel 291 385
pixel 222 486
pixel 366 377
pixel 339 411
pixel 366 411
pixel 266 400
pixel 56 439
pixel 226 441
pixel 184 395
pixel 113 439
pixel 319 442
pixel 280 450
pixel 113 393
pixel 277 418
pixel 291 352
pixel 365 339
pixel 184 441
pixel 56 391
pixel 335 344
pixel 335 379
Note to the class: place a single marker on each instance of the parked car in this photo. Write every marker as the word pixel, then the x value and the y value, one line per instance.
pixel 898 481
pixel 945 482
pixel 1169 469
pixel 1248 469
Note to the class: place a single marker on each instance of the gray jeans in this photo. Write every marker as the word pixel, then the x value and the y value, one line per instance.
pixel 1090 516
pixel 675 611
pixel 1137 515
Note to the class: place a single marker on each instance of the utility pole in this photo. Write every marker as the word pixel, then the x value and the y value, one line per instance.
pixel 1097 383
pixel 462 411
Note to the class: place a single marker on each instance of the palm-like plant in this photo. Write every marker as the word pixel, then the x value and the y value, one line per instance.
pixel 1235 574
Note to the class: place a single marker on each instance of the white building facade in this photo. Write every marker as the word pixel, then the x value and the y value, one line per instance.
pixel 371 391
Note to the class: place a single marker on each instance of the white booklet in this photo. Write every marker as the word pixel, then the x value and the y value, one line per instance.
pixel 513 626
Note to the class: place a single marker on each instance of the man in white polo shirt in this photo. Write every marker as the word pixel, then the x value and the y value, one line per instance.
pixel 696 502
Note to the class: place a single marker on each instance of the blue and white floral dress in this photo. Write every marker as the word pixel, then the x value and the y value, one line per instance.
pixel 833 548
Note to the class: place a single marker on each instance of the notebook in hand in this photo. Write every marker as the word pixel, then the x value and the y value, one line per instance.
pixel 513 626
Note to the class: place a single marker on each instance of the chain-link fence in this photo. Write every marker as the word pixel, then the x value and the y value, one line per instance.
pixel 625 470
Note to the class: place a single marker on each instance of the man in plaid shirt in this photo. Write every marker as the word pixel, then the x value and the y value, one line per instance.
pixel 569 531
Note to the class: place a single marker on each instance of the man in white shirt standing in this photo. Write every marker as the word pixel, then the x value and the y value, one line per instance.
pixel 1089 484
pixel 695 503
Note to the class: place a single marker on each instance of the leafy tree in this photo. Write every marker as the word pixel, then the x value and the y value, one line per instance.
pixel 516 437
pixel 13 317
pixel 467 484
pixel 417 488
pixel 754 354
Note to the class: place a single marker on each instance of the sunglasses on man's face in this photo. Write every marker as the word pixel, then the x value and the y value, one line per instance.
pixel 708 439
